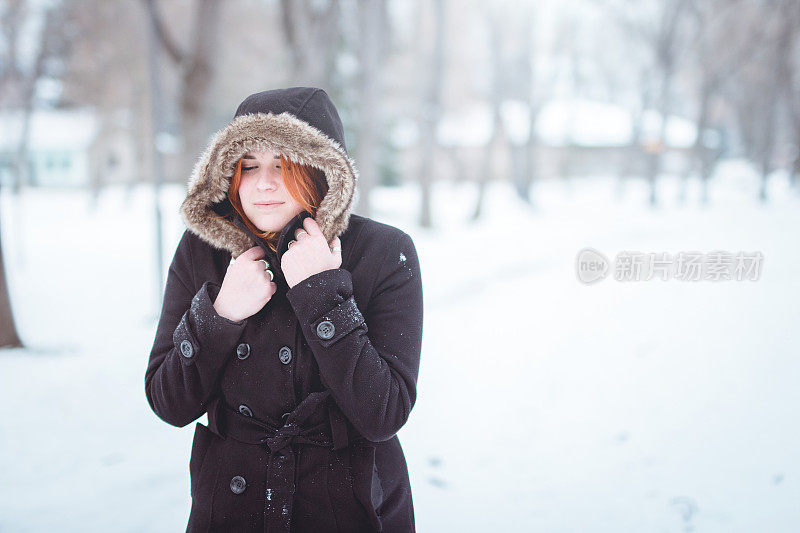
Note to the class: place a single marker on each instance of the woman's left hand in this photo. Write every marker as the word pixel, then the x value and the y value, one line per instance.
pixel 310 254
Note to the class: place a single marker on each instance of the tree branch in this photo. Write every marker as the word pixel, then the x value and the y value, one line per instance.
pixel 169 44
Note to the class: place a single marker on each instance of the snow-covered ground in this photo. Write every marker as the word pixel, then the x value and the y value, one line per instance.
pixel 544 404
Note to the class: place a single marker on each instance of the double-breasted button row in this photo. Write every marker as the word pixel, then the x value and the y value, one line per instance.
pixel 325 329
pixel 186 349
pixel 243 350
pixel 238 484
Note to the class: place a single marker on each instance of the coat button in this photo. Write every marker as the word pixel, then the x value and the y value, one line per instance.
pixel 186 349
pixel 285 355
pixel 243 350
pixel 245 410
pixel 238 484
pixel 325 329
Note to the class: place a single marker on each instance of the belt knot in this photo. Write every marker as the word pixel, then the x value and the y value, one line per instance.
pixel 284 436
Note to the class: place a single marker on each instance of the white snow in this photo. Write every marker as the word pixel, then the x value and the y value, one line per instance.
pixel 471 126
pixel 583 122
pixel 543 404
pixel 560 122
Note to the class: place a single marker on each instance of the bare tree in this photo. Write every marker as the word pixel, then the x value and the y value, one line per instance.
pixel 782 48
pixel 532 87
pixel 195 64
pixel 9 338
pixel 661 27
pixel 760 83
pixel 432 62
pixel 18 91
pixel 312 32
pixel 105 70
pixel 496 95
pixel 12 14
pixel 723 42
pixel 665 41
pixel 789 71
pixel 18 82
pixel 373 28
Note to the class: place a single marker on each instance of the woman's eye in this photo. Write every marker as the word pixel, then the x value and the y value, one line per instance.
pixel 277 166
pixel 244 169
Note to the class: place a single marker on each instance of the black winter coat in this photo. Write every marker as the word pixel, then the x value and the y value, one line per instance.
pixel 305 397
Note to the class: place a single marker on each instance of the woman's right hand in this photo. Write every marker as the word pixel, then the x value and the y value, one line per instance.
pixel 246 288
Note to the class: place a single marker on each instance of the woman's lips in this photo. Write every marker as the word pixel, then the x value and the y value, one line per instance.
pixel 268 206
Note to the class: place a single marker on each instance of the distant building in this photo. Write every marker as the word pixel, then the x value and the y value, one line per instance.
pixel 67 148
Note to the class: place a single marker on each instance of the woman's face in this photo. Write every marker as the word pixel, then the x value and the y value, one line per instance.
pixel 262 184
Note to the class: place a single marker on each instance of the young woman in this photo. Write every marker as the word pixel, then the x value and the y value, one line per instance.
pixel 296 325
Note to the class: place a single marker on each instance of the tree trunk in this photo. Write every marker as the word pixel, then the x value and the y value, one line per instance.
pixel 430 112
pixel 8 330
pixel 495 100
pixel 698 155
pixel 371 30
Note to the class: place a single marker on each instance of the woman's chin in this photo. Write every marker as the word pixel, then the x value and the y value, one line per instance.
pixel 272 223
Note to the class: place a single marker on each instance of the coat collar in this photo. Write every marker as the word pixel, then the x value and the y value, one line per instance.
pixel 286 235
pixel 206 197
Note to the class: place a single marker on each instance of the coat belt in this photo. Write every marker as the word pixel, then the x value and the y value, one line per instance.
pixel 278 437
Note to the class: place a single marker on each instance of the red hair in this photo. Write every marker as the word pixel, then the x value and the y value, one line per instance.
pixel 306 184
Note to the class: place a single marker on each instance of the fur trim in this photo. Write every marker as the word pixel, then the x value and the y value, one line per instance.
pixel 286 134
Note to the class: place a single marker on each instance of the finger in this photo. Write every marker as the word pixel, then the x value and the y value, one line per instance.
pixel 336 243
pixel 299 232
pixel 311 226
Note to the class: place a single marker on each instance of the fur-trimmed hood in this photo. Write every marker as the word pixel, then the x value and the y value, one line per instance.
pixel 299 122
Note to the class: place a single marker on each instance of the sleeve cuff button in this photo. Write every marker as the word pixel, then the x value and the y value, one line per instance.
pixel 186 349
pixel 325 329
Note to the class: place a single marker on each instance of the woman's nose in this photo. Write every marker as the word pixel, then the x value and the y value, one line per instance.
pixel 266 181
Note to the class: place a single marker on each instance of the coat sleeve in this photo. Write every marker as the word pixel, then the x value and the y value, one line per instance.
pixel 191 347
pixel 368 361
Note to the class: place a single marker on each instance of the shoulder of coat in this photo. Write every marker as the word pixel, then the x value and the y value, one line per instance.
pixel 374 234
pixel 200 247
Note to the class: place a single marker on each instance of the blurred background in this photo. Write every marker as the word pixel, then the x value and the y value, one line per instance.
pixel 505 137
